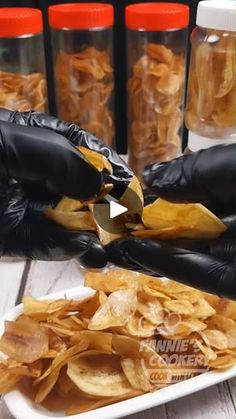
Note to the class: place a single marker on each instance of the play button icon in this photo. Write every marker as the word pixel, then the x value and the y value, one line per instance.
pixel 113 216
pixel 116 209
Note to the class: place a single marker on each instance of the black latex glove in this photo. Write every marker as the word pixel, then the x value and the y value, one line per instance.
pixel 38 164
pixel 208 176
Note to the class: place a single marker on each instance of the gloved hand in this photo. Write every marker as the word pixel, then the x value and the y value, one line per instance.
pixel 38 164
pixel 208 176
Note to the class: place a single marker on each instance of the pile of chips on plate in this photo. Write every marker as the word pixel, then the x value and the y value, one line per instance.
pixel 23 92
pixel 84 87
pixel 134 334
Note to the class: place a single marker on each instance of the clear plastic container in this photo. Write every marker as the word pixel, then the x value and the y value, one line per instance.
pixel 22 62
pixel 210 113
pixel 82 42
pixel 156 49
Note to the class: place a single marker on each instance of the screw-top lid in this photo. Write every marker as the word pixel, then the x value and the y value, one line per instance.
pixel 81 15
pixel 18 21
pixel 156 16
pixel 216 14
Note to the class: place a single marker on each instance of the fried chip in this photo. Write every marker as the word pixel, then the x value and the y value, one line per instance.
pixel 179 306
pixel 62 359
pixel 111 280
pixel 135 374
pixel 77 220
pixel 198 221
pixel 202 308
pixel 96 340
pixel 223 362
pixel 215 338
pixel 96 159
pixel 46 386
pixel 99 375
pixel 24 340
pixel 116 310
pixel 225 325
pixel 150 308
pixel 139 326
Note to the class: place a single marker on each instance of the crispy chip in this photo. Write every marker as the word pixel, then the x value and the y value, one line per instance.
pixel 77 220
pixel 179 306
pixel 111 280
pixel 198 220
pixel 215 339
pixel 116 310
pixel 150 308
pixel 24 340
pixel 227 326
pixel 223 362
pixel 99 375
pixel 202 308
pixel 96 340
pixel 136 374
pixel 139 326
pixel 96 159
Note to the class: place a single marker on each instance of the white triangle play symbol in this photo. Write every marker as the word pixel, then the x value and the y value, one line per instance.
pixel 116 209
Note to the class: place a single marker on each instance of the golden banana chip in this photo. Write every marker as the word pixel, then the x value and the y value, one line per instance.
pixel 139 326
pixel 119 306
pixel 215 338
pixel 179 306
pixel 136 374
pixel 197 221
pixel 96 159
pixel 99 375
pixel 76 220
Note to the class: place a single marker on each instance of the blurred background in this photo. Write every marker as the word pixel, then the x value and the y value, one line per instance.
pixel 119 55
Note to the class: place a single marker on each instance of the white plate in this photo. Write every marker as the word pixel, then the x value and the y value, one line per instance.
pixel 22 408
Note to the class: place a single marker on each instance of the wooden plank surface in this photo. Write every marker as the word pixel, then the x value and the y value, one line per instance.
pixel 10 279
pixel 40 278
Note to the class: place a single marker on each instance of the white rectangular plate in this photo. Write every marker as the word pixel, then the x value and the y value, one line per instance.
pixel 23 408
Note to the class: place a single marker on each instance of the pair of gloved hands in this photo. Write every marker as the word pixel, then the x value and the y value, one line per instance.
pixel 39 163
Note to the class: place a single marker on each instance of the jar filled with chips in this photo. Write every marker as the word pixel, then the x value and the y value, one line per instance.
pixel 211 104
pixel 22 63
pixel 156 49
pixel 82 41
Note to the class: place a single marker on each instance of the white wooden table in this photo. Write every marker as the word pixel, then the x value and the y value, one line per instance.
pixel 39 278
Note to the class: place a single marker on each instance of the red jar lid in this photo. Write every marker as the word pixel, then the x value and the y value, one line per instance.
pixel 17 21
pixel 81 15
pixel 157 16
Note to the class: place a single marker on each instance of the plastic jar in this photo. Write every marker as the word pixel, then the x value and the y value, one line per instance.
pixel 210 113
pixel 82 42
pixel 22 62
pixel 156 49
